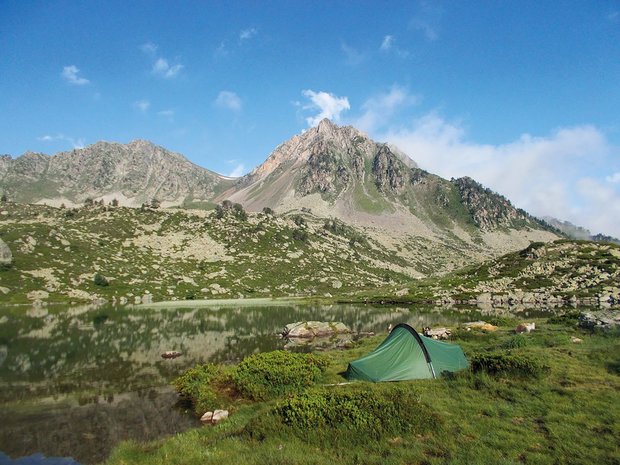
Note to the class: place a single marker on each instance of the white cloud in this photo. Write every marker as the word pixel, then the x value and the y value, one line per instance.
pixel 247 33
pixel 387 43
pixel 238 171
pixel 614 178
pixel 427 19
pixel 142 105
pixel 329 106
pixel 168 114
pixel 553 175
pixel 229 100
pixel 149 48
pixel 430 33
pixel 378 109
pixel 162 68
pixel 70 74
pixel 602 206
pixel 221 50
pixel 353 56
pixel 75 143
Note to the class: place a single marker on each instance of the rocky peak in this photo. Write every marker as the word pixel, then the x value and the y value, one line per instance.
pixel 326 126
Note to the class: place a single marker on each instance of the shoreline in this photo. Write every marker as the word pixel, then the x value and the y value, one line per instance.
pixel 224 302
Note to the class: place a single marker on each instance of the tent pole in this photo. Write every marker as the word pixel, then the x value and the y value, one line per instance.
pixel 430 364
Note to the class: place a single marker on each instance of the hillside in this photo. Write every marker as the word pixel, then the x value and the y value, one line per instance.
pixel 131 173
pixel 178 254
pixel 556 273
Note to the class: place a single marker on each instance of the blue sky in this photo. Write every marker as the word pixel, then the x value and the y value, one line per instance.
pixel 523 96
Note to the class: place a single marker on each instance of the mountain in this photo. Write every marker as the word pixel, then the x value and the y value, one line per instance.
pixel 339 172
pixel 577 232
pixel 132 173
pixel 435 225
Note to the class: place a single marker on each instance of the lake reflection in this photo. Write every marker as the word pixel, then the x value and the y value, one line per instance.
pixel 76 381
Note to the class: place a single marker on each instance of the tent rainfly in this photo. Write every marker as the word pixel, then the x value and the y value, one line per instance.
pixel 406 355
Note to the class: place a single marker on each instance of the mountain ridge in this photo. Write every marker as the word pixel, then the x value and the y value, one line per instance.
pixel 328 171
pixel 132 173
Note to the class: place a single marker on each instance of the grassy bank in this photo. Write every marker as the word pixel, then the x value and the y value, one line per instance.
pixel 543 399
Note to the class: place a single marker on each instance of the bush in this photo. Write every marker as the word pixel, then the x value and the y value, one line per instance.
pixel 508 362
pixel 240 212
pixel 503 321
pixel 271 374
pixel 515 342
pixel 349 415
pixel 100 280
pixel 568 318
pixel 300 235
pixel 299 220
pixel 201 386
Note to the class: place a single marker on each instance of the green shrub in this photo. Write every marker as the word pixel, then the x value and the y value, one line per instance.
pixel 300 235
pixel 568 318
pixel 353 414
pixel 507 362
pixel 299 220
pixel 239 212
pixel 201 386
pixel 271 374
pixel 515 342
pixel 503 321
pixel 100 280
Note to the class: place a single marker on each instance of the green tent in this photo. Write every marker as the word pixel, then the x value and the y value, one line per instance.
pixel 406 355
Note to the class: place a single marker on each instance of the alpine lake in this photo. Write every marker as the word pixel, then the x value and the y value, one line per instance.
pixel 77 380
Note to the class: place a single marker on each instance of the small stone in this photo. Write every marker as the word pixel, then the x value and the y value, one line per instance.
pixel 171 354
pixel 576 340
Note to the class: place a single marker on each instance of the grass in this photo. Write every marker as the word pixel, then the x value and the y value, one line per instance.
pixel 570 414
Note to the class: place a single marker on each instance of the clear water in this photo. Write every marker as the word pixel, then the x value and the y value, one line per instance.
pixel 75 381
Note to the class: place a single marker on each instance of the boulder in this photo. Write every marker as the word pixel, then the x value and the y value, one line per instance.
pixel 213 418
pixel 310 329
pixel 437 333
pixel 525 327
pixel 6 256
pixel 171 354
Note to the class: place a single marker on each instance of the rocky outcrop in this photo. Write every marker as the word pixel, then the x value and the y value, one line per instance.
pixel 388 171
pixel 488 209
pixel 600 320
